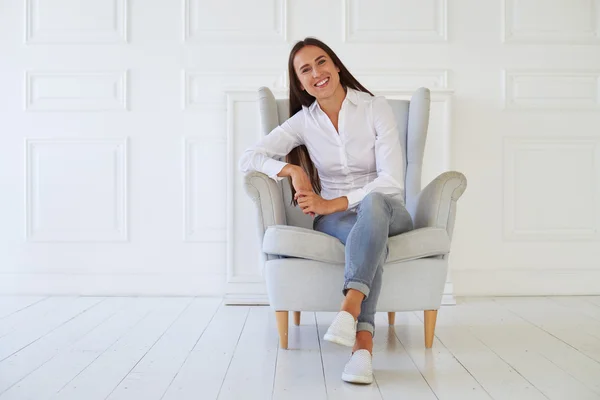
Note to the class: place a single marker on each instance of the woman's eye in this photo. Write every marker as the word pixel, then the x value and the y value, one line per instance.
pixel 305 70
pixel 321 62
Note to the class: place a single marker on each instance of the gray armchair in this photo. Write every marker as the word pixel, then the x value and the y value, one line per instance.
pixel 304 269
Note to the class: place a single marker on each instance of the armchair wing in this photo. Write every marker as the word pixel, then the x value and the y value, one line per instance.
pixel 435 205
pixel 267 197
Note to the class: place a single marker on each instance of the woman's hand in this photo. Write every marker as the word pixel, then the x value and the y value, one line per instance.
pixel 300 180
pixel 312 203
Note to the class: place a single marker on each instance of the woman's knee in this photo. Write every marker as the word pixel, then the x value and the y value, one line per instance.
pixel 374 202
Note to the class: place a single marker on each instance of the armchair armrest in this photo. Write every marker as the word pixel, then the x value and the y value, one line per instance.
pixel 267 197
pixel 435 205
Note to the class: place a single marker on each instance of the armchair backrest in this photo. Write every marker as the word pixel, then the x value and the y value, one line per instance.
pixel 413 120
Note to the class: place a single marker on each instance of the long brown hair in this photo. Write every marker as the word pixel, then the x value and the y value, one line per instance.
pixel 298 98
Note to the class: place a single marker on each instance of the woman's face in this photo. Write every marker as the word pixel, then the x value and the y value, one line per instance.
pixel 316 72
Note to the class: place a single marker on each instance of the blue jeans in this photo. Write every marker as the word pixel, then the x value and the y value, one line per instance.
pixel 364 232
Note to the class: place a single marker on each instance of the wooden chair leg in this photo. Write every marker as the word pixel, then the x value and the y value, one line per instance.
pixel 391 318
pixel 297 318
pixel 430 318
pixel 282 327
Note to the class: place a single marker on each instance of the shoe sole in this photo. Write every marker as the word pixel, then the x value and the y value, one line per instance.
pixel 339 340
pixel 357 378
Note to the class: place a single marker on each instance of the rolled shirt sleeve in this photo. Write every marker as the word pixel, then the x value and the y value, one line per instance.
pixel 278 143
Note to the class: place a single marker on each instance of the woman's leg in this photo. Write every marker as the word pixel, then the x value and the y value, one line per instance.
pixel 338 224
pixel 366 320
pixel 379 217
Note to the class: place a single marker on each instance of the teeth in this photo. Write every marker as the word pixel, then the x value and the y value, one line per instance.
pixel 321 83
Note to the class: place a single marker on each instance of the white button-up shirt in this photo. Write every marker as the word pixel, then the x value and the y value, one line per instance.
pixel 365 156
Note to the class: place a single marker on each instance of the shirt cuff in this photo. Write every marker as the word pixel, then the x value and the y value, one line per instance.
pixel 355 197
pixel 272 167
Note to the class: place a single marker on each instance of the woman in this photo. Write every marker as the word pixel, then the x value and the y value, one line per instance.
pixel 346 166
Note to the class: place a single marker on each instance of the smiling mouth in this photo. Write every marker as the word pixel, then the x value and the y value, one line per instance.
pixel 322 83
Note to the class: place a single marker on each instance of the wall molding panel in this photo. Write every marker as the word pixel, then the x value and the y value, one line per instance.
pixel 236 30
pixel 402 79
pixel 523 23
pixel 422 21
pixel 206 90
pixel 203 206
pixel 76 90
pixel 76 190
pixel 551 189
pixel 98 22
pixel 551 90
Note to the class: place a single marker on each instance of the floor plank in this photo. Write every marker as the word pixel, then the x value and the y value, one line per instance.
pixel 448 378
pixel 577 305
pixel 19 365
pixel 494 374
pixel 592 299
pixel 56 373
pixel 571 328
pixel 335 358
pixel 205 367
pixel 32 313
pixel 28 333
pixel 152 375
pixel 252 369
pixel 12 304
pixel 299 371
pixel 545 361
pixel 396 374
pixel 99 379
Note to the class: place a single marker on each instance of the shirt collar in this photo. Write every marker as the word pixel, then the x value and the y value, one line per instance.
pixel 351 96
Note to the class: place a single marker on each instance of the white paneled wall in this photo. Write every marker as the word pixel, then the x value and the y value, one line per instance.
pixel 425 21
pixel 76 190
pixel 122 123
pixel 531 174
pixel 75 91
pixel 72 21
pixel 550 89
pixel 551 22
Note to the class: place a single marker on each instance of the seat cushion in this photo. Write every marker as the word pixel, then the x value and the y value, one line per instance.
pixel 292 241
pixel 308 285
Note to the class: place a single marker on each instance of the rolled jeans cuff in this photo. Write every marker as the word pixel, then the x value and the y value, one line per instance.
pixel 366 326
pixel 360 286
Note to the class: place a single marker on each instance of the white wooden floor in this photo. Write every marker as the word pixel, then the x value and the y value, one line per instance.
pixel 90 348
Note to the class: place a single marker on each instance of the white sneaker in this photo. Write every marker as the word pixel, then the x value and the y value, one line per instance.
pixel 342 330
pixel 360 368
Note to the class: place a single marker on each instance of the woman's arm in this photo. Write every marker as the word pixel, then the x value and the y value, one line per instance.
pixel 300 180
pixel 278 143
pixel 389 157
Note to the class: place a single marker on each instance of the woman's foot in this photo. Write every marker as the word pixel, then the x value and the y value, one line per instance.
pixel 342 330
pixel 359 369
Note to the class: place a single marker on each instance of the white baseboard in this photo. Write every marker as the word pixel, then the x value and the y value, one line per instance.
pixel 448 300
pixel 523 282
pixel 113 285
pixel 448 296
pixel 508 282
pixel 246 299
